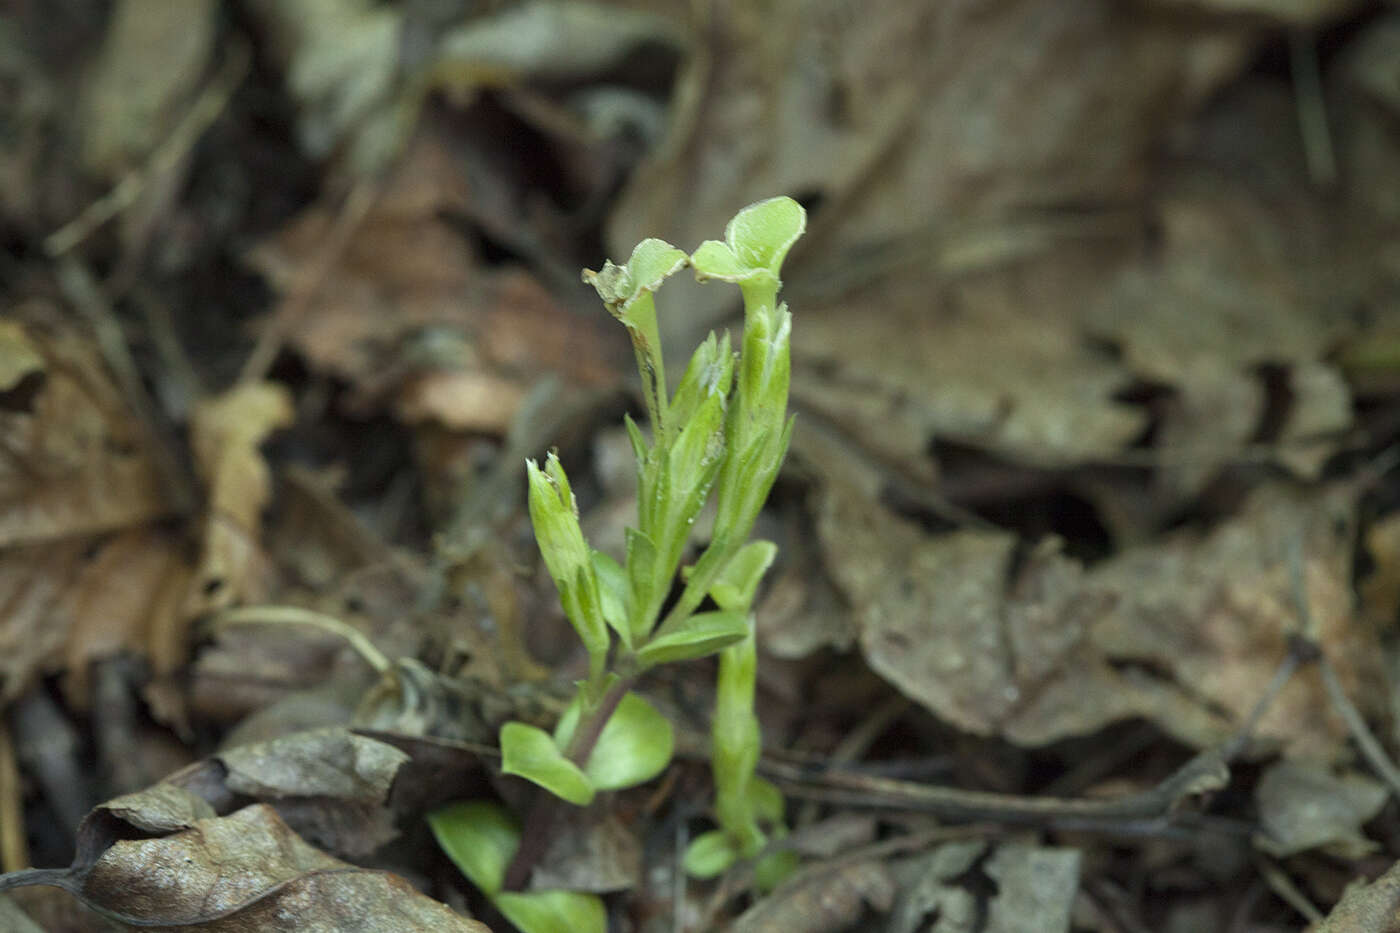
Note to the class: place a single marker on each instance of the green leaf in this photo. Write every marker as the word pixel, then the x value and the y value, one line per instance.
pixel 710 372
pixel 554 515
pixel 553 911
pixel 737 583
pixel 480 837
pixel 755 243
pixel 634 747
pixel 529 752
pixel 700 635
pixel 766 800
pixel 651 263
pixel 775 868
pixel 762 233
pixel 641 573
pixel 613 594
pixel 709 854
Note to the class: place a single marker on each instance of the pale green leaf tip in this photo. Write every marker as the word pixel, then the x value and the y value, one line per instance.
pixel 756 241
pixel 651 263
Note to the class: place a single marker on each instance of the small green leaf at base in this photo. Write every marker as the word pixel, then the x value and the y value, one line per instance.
pixel 634 747
pixel 710 854
pixel 772 870
pixel 553 911
pixel 529 752
pixel 480 837
pixel 699 636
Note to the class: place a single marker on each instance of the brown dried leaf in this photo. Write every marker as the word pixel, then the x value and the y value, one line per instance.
pixel 243 872
pixel 127 597
pixel 225 433
pixel 996 360
pixel 1227 290
pixel 1200 623
pixel 406 316
pixel 33 581
pixel 942 619
pixel 73 460
pixel 821 900
pixel 331 785
pixel 922 127
pixel 1186 632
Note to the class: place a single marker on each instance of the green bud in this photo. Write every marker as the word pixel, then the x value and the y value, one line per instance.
pixel 554 515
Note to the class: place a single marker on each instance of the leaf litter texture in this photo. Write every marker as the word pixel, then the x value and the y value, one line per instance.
pixel 1185 632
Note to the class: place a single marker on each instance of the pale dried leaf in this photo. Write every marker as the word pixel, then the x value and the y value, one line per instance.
pixel 1036 887
pixel 73 460
pixel 1304 805
pixel 1199 623
pixel 151 59
pixel 225 433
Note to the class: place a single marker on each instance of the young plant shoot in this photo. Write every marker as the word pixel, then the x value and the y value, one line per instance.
pixel 724 431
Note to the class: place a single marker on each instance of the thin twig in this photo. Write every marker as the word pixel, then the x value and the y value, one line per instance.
pixel 1312 109
pixel 295 615
pixel 1287 891
pixel 197 119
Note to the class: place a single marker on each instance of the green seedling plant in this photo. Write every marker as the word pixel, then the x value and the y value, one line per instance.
pixel 722 434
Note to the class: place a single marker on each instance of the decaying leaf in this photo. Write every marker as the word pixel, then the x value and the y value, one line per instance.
pixel 1304 805
pixel 822 900
pixel 225 433
pixel 914 125
pixel 408 318
pixel 76 467
pixel 243 872
pixel 943 618
pixel 927 889
pixel 75 460
pixel 1186 633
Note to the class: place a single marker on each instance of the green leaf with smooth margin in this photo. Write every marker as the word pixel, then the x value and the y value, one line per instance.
pixel 701 635
pixel 710 854
pixel 634 747
pixel 755 243
pixel 529 752
pixel 737 583
pixel 553 911
pixel 480 837
pixel 613 594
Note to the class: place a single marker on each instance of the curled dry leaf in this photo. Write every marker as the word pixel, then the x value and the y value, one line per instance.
pixel 225 433
pixel 330 784
pixel 236 874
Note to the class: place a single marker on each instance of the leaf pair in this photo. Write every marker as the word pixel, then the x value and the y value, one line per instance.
pixel 634 746
pixel 481 838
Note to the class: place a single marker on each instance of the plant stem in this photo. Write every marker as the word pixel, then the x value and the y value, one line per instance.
pixel 545 808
